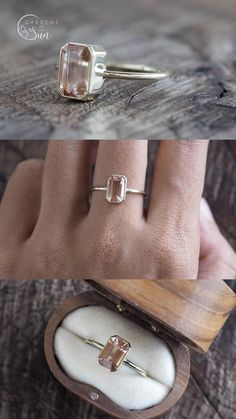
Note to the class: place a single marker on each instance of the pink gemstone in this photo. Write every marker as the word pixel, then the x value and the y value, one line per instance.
pixel 114 353
pixel 74 70
pixel 116 189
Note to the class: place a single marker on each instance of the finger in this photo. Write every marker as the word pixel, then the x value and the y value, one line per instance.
pixel 20 205
pixel 94 149
pixel 128 158
pixel 217 258
pixel 65 189
pixel 178 182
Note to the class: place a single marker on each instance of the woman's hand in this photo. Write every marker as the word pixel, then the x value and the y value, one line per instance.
pixel 50 228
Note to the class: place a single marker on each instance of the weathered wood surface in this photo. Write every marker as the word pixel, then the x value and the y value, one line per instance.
pixel 29 391
pixel 194 39
pixel 220 185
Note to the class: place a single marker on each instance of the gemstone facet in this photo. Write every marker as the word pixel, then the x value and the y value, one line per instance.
pixel 116 189
pixel 74 71
pixel 114 353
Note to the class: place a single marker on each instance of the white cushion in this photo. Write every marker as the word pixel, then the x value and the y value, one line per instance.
pixel 125 387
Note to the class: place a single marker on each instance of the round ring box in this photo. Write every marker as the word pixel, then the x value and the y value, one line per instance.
pixel 185 314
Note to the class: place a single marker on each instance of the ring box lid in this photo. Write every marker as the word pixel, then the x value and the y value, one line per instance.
pixel 193 312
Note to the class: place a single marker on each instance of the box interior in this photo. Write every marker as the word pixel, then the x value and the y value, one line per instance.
pixel 125 387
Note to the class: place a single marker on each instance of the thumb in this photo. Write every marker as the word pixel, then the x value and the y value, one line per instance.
pixel 217 258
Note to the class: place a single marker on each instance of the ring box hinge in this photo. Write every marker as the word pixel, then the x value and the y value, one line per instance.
pixel 155 328
pixel 121 306
pixel 130 312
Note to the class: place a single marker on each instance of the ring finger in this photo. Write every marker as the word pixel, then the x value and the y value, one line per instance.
pixel 126 158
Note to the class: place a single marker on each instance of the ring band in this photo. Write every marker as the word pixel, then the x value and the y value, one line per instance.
pixel 133 72
pixel 117 189
pixel 82 71
pixel 113 354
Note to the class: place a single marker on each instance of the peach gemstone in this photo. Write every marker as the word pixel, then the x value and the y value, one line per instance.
pixel 74 70
pixel 116 189
pixel 114 353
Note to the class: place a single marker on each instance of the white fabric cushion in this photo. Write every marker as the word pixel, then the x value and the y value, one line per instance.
pixel 125 387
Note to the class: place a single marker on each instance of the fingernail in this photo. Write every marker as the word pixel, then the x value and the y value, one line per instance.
pixel 205 210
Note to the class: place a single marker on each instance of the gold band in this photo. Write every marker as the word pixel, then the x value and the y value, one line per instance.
pixel 128 190
pixel 133 72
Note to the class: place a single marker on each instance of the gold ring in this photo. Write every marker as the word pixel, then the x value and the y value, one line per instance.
pixel 117 189
pixel 82 71
pixel 114 353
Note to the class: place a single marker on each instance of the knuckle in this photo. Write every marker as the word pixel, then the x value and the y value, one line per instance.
pixel 34 166
pixel 105 245
pixel 176 258
pixel 50 258
pixel 107 249
pixel 25 179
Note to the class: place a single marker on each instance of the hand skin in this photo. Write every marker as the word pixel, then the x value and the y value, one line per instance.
pixel 49 229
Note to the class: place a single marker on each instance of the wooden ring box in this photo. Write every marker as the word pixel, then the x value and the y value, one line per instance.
pixel 183 313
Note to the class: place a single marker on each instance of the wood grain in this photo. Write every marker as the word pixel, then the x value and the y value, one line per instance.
pixel 194 39
pixel 192 311
pixel 28 389
pixel 220 183
pixel 180 353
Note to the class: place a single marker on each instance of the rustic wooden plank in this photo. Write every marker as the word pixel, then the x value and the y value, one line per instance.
pixel 220 185
pixel 28 389
pixel 194 39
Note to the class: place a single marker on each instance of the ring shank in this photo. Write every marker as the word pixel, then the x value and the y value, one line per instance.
pixel 133 72
pixel 128 190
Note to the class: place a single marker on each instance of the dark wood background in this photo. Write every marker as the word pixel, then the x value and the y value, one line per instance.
pixel 194 39
pixel 220 184
pixel 29 391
